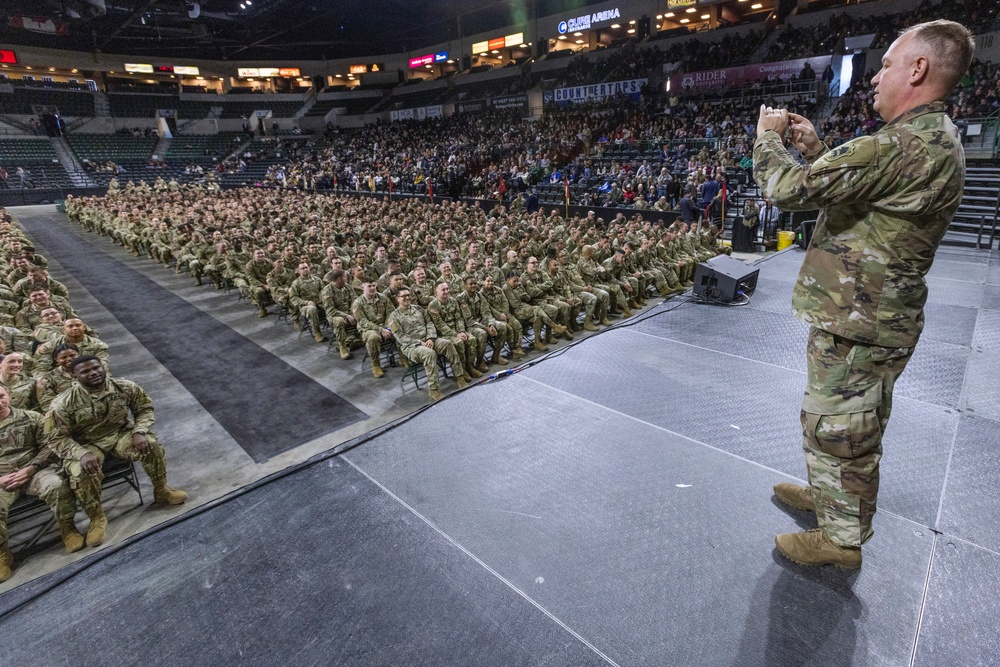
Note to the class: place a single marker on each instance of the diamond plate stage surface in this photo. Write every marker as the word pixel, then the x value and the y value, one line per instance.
pixel 609 505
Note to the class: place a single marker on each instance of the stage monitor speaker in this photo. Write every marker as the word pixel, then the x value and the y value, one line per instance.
pixel 724 279
pixel 805 233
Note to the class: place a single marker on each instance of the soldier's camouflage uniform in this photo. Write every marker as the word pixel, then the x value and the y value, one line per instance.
pixel 80 422
pixel 411 329
pixel 887 200
pixel 23 443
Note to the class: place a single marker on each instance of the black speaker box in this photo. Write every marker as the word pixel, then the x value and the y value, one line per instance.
pixel 724 279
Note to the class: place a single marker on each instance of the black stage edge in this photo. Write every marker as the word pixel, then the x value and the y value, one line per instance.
pixel 266 405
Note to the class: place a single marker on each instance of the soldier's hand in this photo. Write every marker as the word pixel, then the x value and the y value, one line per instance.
pixel 351 320
pixel 386 334
pixel 462 336
pixel 804 135
pixel 16 479
pixel 311 304
pixel 140 443
pixel 772 119
pixel 90 464
pixel 428 343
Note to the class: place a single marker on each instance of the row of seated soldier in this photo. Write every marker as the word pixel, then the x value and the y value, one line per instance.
pixel 61 412
pixel 336 265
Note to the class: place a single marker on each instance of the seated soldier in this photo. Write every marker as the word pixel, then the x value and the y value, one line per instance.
pixel 256 271
pixel 59 379
pixel 19 385
pixel 51 327
pixel 27 465
pixel 75 332
pixel 337 298
pixel 90 421
pixel 30 316
pixel 417 339
pixel 38 277
pixel 304 296
pixel 371 312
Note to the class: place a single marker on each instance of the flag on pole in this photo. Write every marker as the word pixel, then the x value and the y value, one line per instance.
pixel 430 189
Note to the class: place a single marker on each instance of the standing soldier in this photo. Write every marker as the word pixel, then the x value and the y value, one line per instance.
pixel 886 201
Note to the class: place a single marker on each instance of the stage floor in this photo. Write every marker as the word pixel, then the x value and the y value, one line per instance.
pixel 609 505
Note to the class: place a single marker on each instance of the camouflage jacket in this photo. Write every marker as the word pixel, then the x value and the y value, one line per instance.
pixel 337 302
pixel 447 317
pixel 371 314
pixel 22 442
pixel 80 417
pixel 411 328
pixel 886 201
pixel 304 290
pixel 476 310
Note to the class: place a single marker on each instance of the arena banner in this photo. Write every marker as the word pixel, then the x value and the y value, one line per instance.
pixel 509 102
pixel 746 74
pixel 578 94
pixel 418 113
pixel 475 106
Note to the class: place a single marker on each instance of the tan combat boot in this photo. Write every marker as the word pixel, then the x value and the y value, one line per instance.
pixel 461 382
pixel 471 371
pixel 588 324
pixel 71 537
pixel 319 337
pixel 297 324
pixel 540 346
pixel 813 548
pixel 516 352
pixel 377 369
pixel 793 495
pixel 6 563
pixel 568 335
pixel 481 365
pixel 435 395
pixel 345 351
pixel 98 526
pixel 262 312
pixel 164 495
pixel 626 312
pixel 497 359
pixel 558 328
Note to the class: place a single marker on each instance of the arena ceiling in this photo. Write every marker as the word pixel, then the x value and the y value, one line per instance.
pixel 260 29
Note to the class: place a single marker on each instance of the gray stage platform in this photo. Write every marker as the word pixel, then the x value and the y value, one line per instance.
pixel 610 505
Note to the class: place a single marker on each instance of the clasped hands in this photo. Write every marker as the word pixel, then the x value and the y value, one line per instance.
pixel 801 132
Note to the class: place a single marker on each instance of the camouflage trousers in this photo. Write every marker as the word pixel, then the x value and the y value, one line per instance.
pixel 429 358
pixel 845 410
pixel 48 485
pixel 87 487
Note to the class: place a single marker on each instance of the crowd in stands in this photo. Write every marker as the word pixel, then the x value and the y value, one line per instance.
pixel 51 362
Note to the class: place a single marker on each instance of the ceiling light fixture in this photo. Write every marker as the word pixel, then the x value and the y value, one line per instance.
pixel 659 17
pixel 615 26
pixel 579 41
pixel 685 20
pixel 705 17
pixel 756 5
pixel 669 15
pixel 690 10
pixel 562 36
pixel 578 34
pixel 632 22
pixel 631 31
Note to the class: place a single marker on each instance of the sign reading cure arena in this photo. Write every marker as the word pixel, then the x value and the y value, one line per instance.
pixel 588 21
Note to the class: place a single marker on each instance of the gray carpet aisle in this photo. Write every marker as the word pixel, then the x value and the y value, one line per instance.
pixel 266 405
pixel 610 505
